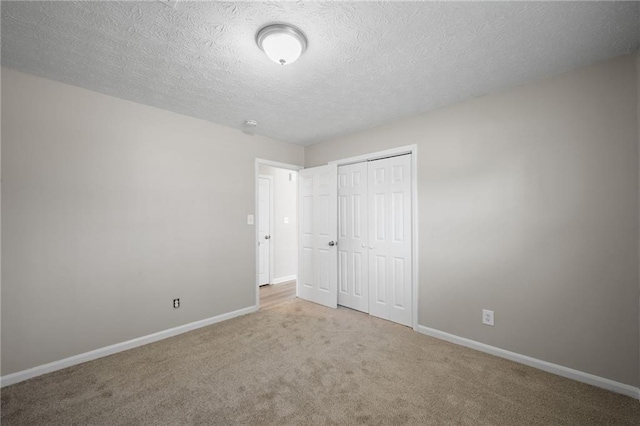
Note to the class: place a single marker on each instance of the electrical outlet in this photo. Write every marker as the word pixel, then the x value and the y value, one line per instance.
pixel 176 303
pixel 487 317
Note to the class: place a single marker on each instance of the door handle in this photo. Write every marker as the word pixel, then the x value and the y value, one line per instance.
pixel 332 243
pixel 267 237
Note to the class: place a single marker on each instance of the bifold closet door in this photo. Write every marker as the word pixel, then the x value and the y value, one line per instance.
pixel 389 205
pixel 353 252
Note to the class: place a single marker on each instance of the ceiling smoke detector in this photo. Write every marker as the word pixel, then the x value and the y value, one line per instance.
pixel 282 43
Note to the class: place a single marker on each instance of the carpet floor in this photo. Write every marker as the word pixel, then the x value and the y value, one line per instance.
pixel 300 363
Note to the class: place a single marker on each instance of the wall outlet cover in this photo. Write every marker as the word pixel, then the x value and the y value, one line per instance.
pixel 487 317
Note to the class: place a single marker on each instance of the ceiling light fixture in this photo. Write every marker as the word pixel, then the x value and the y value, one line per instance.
pixel 282 43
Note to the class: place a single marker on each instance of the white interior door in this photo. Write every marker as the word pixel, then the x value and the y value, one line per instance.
pixel 353 253
pixel 264 230
pixel 390 269
pixel 318 223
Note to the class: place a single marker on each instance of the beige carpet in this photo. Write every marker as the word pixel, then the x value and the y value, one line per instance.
pixel 300 363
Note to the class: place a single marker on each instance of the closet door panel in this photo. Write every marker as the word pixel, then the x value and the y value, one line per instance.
pixel 390 239
pixel 353 288
pixel 379 209
pixel 400 242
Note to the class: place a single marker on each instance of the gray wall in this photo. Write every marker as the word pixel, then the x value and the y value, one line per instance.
pixel 528 205
pixel 111 209
pixel 284 236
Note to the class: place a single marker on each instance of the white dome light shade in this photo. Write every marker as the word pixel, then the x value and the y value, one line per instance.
pixel 282 48
pixel 283 44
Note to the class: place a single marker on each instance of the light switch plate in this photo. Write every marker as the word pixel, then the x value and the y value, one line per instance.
pixel 249 219
pixel 285 220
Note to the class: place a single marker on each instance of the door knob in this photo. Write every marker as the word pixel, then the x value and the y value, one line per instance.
pixel 332 243
pixel 266 237
pixel 371 247
pixel 364 246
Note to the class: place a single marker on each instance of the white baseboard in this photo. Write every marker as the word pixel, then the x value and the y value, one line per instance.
pixel 560 370
pixel 20 376
pixel 284 279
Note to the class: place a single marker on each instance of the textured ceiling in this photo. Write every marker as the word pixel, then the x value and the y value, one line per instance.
pixel 367 63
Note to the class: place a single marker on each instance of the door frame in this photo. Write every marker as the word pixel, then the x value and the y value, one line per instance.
pixel 256 172
pixel 270 179
pixel 401 150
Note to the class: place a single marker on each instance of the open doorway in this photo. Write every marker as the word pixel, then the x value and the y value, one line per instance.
pixel 276 232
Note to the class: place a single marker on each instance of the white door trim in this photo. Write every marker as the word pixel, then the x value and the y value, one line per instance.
pixel 407 149
pixel 256 173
